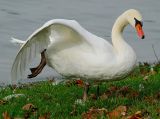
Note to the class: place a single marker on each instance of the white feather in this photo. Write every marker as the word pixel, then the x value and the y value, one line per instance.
pixel 17 41
pixel 39 41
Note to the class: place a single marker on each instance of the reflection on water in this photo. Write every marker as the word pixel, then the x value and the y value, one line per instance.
pixel 20 18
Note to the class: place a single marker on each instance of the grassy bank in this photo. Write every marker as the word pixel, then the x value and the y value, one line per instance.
pixel 138 92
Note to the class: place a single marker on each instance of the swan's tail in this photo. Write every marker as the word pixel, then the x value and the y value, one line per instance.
pixel 17 41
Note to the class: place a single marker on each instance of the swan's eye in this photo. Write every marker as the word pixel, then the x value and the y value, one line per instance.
pixel 138 22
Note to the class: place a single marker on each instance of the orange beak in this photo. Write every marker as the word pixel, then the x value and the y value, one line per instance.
pixel 140 31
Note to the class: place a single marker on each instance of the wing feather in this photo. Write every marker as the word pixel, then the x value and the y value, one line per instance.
pixel 40 40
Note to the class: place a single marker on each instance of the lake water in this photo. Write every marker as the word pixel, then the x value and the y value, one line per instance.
pixel 19 18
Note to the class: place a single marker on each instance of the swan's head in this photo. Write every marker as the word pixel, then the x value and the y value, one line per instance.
pixel 135 20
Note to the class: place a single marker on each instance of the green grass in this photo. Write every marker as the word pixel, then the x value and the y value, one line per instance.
pixel 59 100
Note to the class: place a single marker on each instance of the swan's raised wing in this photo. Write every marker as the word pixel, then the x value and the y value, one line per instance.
pixel 42 38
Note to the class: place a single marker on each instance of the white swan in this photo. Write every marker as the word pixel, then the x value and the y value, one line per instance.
pixel 73 51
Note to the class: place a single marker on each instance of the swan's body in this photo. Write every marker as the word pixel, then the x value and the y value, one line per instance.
pixel 73 51
pixel 92 58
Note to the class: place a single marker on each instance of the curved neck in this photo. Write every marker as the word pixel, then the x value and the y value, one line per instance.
pixel 118 27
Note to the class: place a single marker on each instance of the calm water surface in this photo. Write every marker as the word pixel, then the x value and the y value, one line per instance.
pixel 19 18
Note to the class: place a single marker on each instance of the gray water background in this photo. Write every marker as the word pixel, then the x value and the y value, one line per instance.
pixel 19 18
